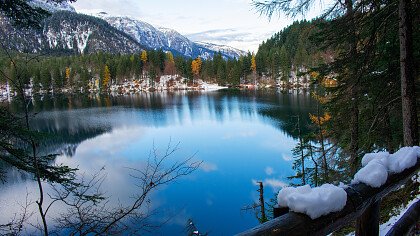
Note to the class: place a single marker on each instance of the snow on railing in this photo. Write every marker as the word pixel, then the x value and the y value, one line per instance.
pixel 330 207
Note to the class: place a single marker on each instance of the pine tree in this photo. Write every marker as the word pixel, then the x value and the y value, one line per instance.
pixel 58 78
pixel 36 80
pixel 169 64
pixel 284 64
pixel 46 79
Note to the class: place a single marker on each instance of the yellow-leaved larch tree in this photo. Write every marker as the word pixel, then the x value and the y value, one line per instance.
pixel 107 77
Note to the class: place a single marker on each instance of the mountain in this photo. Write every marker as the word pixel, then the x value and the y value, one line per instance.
pixel 224 49
pixel 154 38
pixel 67 32
pixel 167 39
pixel 52 6
pixel 86 34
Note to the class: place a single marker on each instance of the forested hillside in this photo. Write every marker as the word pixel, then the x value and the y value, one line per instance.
pixel 292 52
pixel 81 73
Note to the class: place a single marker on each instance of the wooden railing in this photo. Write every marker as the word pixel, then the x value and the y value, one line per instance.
pixel 363 205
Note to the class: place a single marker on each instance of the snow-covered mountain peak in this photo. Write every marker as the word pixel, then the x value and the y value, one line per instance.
pixel 233 52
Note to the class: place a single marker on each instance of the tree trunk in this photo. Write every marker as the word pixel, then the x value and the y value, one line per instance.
pixel 354 83
pixel 408 91
pixel 262 205
pixel 302 156
pixel 324 154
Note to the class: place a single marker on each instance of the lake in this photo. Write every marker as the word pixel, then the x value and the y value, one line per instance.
pixel 241 137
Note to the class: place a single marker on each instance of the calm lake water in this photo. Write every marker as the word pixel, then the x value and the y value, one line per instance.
pixel 241 137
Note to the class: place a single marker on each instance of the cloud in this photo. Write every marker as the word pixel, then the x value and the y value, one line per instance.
pixel 208 18
pixel 221 35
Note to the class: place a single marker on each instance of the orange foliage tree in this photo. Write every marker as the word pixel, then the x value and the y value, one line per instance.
pixel 196 66
pixel 107 77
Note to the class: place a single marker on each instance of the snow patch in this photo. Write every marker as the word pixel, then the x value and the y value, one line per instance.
pixel 385 227
pixel 373 174
pixel 371 156
pixel 314 202
pixel 403 159
pixel 52 6
pixel 376 166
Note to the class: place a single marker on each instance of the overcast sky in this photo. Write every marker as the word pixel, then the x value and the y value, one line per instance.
pixel 228 22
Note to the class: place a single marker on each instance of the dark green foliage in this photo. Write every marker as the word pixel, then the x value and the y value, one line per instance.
pixel 288 50
pixel 49 72
pixel 16 148
pixel 22 13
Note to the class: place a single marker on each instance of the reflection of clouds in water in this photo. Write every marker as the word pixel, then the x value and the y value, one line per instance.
pixel 269 170
pixel 243 134
pixel 174 216
pixel 13 198
pixel 209 202
pixel 208 167
pixel 287 157
pixel 107 150
pixel 280 143
pixel 229 131
pixel 273 183
pixel 112 143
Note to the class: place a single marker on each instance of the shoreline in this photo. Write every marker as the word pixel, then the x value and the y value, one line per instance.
pixel 131 88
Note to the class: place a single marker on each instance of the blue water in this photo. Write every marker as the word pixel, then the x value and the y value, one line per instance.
pixel 241 137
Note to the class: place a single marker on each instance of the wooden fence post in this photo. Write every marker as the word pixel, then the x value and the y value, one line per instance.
pixel 368 223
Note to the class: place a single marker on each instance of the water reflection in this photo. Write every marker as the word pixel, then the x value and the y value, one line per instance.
pixel 241 137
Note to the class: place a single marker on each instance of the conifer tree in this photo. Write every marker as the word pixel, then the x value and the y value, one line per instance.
pixel 169 64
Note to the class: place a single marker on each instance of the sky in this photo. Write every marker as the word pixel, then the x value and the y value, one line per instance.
pixel 234 23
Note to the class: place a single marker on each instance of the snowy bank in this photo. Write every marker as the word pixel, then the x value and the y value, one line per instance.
pixel 385 227
pixel 377 166
pixel 313 202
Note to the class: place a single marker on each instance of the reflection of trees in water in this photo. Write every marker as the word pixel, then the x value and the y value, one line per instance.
pixel 61 142
pixel 66 141
pixel 68 120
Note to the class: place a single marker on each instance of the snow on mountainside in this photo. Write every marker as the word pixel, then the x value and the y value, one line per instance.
pixel 66 32
pixel 141 31
pixel 227 50
pixel 166 39
pixel 178 42
pixel 52 6
pixel 86 34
